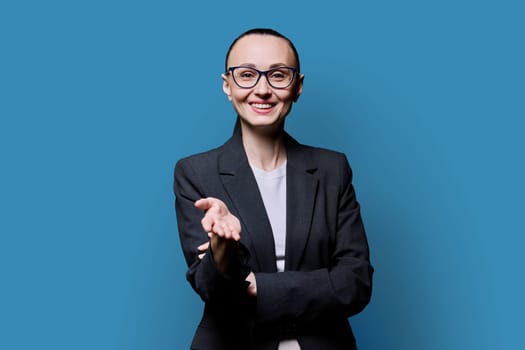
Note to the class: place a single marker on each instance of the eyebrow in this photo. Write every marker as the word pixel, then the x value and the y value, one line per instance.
pixel 275 65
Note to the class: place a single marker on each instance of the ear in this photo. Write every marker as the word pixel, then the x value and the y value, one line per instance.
pixel 299 87
pixel 226 86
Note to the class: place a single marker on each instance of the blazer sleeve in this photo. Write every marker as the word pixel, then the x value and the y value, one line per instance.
pixel 205 279
pixel 340 290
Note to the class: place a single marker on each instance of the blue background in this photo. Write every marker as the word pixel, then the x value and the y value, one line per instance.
pixel 99 99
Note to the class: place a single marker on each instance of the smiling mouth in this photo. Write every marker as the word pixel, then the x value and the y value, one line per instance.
pixel 262 105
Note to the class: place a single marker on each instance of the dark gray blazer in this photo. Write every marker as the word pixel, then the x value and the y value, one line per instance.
pixel 327 277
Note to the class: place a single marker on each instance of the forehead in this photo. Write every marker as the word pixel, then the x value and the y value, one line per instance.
pixel 262 51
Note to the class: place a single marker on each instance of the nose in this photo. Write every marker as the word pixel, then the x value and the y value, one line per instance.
pixel 262 87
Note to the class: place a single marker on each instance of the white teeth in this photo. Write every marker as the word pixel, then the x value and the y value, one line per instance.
pixel 262 105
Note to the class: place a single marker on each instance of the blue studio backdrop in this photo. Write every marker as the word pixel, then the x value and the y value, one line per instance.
pixel 99 99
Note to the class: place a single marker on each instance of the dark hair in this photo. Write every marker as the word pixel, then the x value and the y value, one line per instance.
pixel 263 31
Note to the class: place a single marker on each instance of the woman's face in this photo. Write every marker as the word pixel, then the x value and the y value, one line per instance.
pixel 262 105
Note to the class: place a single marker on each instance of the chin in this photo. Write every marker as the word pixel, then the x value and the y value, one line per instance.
pixel 276 126
pixel 262 120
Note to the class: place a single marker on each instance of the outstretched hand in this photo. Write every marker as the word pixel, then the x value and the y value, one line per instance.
pixel 218 220
pixel 224 230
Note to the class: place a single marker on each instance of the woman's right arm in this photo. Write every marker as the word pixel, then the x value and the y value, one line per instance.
pixel 210 278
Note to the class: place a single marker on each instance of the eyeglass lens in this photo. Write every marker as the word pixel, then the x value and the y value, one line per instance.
pixel 248 77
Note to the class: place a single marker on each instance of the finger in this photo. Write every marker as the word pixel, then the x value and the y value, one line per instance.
pixel 201 256
pixel 222 230
pixel 236 235
pixel 207 223
pixel 213 205
pixel 202 204
pixel 234 232
pixel 203 247
pixel 209 202
pixel 218 229
pixel 229 231
pixel 226 231
pixel 252 287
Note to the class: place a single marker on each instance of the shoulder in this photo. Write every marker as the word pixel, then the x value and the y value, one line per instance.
pixel 331 164
pixel 315 156
pixel 199 160
pixel 196 171
pixel 323 155
pixel 208 160
pixel 331 167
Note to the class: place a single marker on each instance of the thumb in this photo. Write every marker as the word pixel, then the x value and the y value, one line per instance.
pixel 203 204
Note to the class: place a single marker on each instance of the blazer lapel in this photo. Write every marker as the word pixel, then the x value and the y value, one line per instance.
pixel 240 184
pixel 301 187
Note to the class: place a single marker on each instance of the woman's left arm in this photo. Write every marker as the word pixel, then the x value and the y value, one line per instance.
pixel 342 289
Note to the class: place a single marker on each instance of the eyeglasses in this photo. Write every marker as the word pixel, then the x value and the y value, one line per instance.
pixel 248 77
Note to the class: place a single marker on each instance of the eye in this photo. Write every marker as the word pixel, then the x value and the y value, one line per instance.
pixel 280 74
pixel 246 74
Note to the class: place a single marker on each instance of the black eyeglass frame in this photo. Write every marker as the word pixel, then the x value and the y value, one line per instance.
pixel 260 74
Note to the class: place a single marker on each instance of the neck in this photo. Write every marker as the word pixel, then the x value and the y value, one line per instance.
pixel 264 150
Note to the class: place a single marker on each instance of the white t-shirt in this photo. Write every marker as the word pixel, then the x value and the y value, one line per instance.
pixel 272 186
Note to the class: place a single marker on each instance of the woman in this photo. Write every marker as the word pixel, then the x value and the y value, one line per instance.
pixel 270 228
